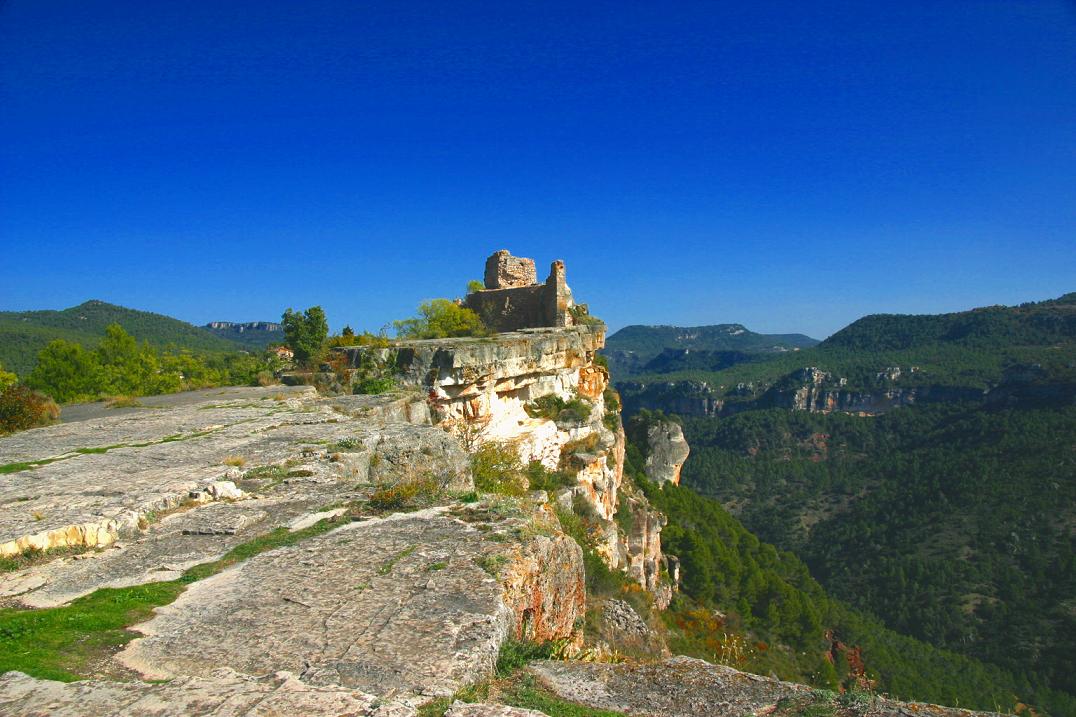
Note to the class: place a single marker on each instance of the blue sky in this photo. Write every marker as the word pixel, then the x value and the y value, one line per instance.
pixel 786 165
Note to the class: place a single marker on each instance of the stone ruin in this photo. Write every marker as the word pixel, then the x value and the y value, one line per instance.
pixel 513 299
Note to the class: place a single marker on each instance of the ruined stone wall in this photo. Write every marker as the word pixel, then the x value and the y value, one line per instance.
pixel 512 300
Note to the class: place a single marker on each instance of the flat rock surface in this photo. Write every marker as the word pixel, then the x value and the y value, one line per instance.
pixel 391 606
pixel 94 481
pixel 225 694
pixel 687 687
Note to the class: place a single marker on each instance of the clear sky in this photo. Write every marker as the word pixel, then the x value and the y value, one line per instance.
pixel 785 165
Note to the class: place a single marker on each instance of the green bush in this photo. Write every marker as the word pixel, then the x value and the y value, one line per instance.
pixel 22 408
pixel 441 319
pixel 375 385
pixel 541 478
pixel 497 469
pixel 517 653
pixel 120 366
pixel 7 379
pixel 575 411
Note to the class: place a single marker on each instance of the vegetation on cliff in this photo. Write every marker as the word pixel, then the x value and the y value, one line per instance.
pixel 441 319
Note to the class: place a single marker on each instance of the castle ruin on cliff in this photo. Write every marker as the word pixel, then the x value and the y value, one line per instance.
pixel 513 299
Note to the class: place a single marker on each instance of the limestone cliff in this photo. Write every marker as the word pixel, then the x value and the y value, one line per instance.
pixel 489 390
pixel 807 389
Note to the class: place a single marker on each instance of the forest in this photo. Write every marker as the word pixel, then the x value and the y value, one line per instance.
pixel 779 618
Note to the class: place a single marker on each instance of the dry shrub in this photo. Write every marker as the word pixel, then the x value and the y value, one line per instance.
pixel 22 408
pixel 410 493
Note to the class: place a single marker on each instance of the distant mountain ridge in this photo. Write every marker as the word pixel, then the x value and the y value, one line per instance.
pixel 24 333
pixel 1039 322
pixel 251 334
pixel 631 349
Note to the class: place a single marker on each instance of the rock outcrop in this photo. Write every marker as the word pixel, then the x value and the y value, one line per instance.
pixel 688 687
pixel 225 693
pixel 808 389
pixel 397 605
pixel 488 390
pixel 666 452
pixel 408 605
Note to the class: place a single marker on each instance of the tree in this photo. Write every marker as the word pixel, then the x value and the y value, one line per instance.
pixel 126 367
pixel 441 319
pixel 66 371
pixel 305 333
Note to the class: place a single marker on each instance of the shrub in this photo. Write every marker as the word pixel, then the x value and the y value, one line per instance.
pixel 441 319
pixel 66 371
pixel 7 379
pixel 22 408
pixel 576 411
pixel 581 316
pixel 475 285
pixel 374 375
pixel 497 469
pixel 375 385
pixel 410 493
pixel 541 478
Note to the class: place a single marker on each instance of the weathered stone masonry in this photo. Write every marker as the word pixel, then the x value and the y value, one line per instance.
pixel 514 300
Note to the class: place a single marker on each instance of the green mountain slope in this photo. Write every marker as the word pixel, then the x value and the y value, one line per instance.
pixel 952 523
pixel 772 616
pixel 924 467
pixel 952 356
pixel 630 349
pixel 24 333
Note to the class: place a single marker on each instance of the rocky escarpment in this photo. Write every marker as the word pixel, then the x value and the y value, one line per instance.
pixel 807 389
pixel 688 687
pixel 501 390
pixel 407 605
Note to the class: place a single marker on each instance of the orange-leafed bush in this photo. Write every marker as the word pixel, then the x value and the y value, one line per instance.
pixel 22 408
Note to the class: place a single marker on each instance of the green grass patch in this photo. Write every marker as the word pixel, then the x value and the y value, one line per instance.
pixel 36 557
pixel 27 465
pixel 65 643
pixel 526 692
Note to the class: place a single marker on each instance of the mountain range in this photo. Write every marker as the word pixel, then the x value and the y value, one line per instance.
pixel 24 333
pixel 632 349
pixel 923 467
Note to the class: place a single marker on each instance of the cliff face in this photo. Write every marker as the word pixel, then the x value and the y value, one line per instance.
pixel 486 390
pixel 809 389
